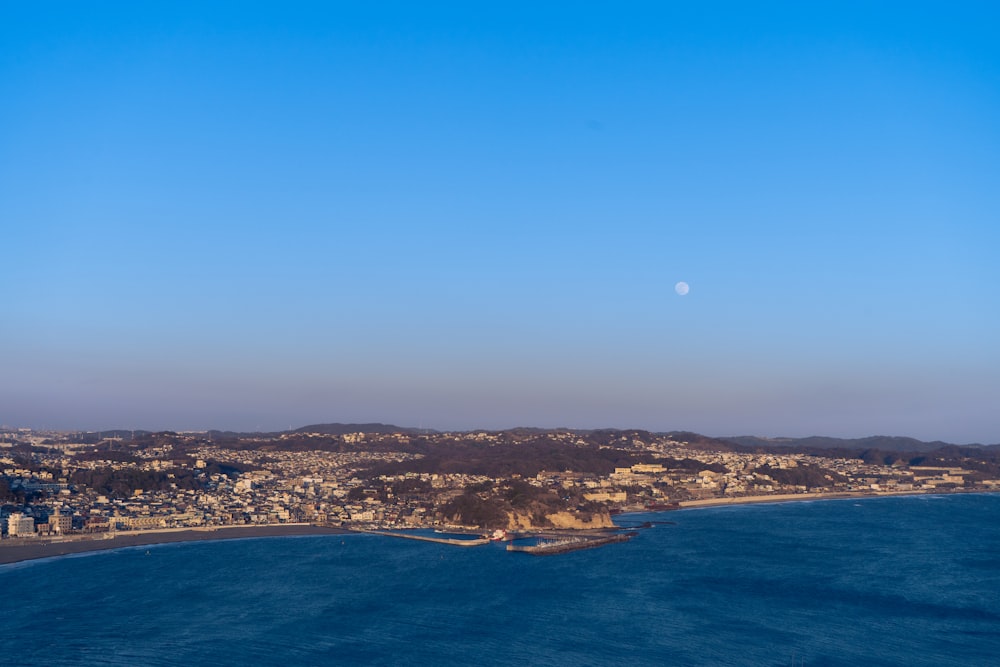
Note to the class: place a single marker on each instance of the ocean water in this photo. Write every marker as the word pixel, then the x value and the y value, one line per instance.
pixel 885 581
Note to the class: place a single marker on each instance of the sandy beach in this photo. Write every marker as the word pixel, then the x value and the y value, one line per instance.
pixel 774 498
pixel 16 550
pixel 790 497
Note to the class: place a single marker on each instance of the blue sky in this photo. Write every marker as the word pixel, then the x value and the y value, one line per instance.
pixel 240 215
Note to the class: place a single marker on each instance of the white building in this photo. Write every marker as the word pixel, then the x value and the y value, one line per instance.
pixel 19 525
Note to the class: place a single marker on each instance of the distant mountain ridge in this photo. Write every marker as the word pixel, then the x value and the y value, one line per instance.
pixel 815 442
pixel 882 442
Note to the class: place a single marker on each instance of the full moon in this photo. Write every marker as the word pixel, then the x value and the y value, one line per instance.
pixel 682 288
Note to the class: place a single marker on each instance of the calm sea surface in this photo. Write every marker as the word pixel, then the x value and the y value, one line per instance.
pixel 887 581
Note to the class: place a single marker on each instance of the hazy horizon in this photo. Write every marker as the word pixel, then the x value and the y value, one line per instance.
pixel 245 216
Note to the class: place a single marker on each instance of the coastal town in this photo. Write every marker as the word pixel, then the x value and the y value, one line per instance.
pixel 79 486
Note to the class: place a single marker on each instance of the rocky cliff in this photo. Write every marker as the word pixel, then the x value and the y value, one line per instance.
pixel 563 519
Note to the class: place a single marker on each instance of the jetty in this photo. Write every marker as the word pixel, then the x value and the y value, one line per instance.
pixel 475 542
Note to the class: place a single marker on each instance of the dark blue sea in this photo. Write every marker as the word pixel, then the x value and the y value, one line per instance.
pixel 883 581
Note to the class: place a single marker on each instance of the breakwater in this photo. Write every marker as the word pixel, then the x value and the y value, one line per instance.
pixel 570 544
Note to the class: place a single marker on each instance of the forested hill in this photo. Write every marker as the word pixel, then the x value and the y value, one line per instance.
pixel 342 429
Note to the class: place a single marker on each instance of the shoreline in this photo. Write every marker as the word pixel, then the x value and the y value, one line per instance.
pixel 709 503
pixel 36 548
pixel 828 495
